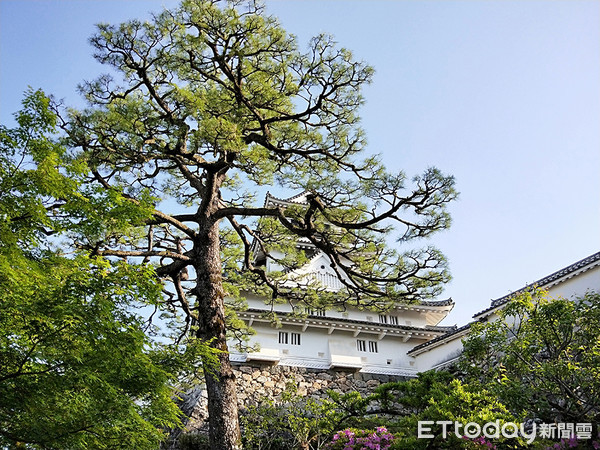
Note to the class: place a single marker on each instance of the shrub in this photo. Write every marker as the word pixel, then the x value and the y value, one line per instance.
pixel 352 439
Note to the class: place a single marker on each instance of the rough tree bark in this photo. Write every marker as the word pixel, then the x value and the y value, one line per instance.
pixel 220 380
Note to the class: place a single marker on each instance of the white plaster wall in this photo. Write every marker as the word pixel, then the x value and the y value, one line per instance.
pixel 577 286
pixel 439 354
pixel 317 347
pixel 573 287
pixel 410 318
pixel 272 265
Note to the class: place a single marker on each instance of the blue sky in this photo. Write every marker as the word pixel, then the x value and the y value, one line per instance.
pixel 504 95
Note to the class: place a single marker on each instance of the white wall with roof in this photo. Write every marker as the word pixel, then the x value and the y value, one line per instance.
pixel 318 348
pixel 570 282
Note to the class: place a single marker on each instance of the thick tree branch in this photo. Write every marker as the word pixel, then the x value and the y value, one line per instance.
pixel 134 253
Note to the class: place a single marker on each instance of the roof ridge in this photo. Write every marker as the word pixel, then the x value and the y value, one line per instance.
pixel 291 199
pixel 433 328
pixel 543 281
pixel 440 338
pixel 448 301
pixel 286 200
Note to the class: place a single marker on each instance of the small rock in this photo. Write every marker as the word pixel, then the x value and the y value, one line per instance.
pixel 373 383
pixel 245 369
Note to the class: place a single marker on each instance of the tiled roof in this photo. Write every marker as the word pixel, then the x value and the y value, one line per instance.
pixel 595 258
pixel 407 328
pixel 294 199
pixel 446 302
pixel 441 338
pixel 556 276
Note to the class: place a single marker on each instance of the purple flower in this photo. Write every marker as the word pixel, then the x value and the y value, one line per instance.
pixel 363 439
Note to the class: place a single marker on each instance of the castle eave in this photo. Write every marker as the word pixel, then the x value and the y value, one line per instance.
pixel 354 326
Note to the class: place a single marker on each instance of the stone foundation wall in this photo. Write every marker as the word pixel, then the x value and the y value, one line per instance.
pixel 255 382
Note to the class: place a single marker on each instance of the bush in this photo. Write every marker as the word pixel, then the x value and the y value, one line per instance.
pixel 291 422
pixel 352 439
pixel 193 441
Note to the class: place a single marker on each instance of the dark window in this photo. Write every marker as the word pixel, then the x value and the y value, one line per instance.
pixel 295 338
pixel 283 337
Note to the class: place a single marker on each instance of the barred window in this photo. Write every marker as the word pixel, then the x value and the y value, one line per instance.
pixel 283 337
pixel 361 345
pixel 295 338
pixel 373 346
pixel 315 312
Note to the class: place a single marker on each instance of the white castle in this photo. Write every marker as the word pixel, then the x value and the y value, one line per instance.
pixel 400 342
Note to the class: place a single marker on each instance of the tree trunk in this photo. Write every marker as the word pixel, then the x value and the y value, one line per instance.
pixel 220 380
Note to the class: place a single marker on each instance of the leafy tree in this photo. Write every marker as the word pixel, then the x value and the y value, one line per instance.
pixel 210 102
pixel 541 357
pixel 76 368
pixel 290 422
pixel 432 396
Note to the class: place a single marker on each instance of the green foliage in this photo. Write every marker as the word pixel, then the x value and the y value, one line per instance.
pixel 295 423
pixel 193 441
pixel 291 422
pixel 541 357
pixel 432 396
pixel 349 439
pixel 29 174
pixel 77 370
pixel 206 102
pixel 210 88
pixel 442 400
